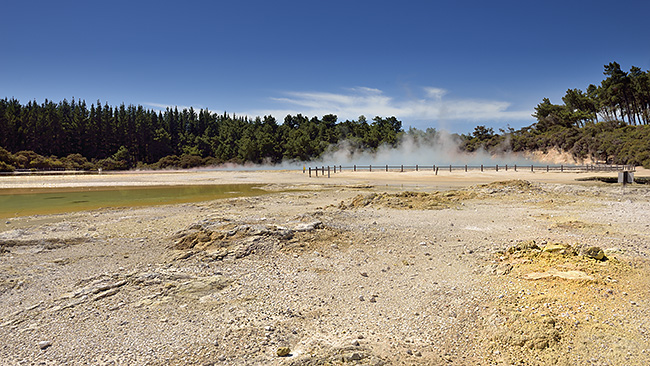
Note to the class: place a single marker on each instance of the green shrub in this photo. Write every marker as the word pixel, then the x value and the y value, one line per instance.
pixel 4 167
pixel 76 161
pixel 112 164
pixel 171 161
pixel 190 161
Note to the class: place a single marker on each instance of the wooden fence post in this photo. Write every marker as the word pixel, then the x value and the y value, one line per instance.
pixel 370 167
pixel 481 167
pixel 531 168
pixel 309 172
pixel 355 167
pixel 515 167
pixel 386 167
pixel 465 168
pixel 449 168
pixel 416 167
pixel 328 171
pixel 401 169
pixel 497 167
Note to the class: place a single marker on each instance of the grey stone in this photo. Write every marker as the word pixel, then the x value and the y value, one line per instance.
pixel 352 357
pixel 308 226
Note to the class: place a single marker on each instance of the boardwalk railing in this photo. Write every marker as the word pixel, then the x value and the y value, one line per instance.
pixel 329 169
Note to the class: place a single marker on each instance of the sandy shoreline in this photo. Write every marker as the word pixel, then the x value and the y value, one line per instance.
pixel 347 270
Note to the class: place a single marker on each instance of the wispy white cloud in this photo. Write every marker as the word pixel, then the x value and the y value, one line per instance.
pixel 435 93
pixel 434 106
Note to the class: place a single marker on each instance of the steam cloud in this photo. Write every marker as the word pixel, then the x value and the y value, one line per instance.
pixel 440 148
pixel 426 149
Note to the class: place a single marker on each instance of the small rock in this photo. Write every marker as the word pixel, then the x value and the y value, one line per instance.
pixel 364 274
pixel 355 343
pixel 502 269
pixel 44 344
pixel 352 357
pixel 417 354
pixel 595 253
pixel 309 226
pixel 361 298
pixel 552 248
pixel 283 351
pixel 221 358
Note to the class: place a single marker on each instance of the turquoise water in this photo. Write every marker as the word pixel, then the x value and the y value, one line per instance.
pixel 24 202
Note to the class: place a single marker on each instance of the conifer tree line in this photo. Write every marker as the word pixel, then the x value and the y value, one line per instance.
pixel 74 135
pixel 607 123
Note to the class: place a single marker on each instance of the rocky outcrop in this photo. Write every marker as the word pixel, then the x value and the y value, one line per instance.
pixel 215 241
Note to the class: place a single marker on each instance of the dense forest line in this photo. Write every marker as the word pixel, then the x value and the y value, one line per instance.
pixel 609 123
pixel 34 135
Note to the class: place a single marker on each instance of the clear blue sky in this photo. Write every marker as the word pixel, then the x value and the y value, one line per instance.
pixel 442 64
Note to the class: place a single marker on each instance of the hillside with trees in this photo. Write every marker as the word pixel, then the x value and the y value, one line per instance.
pixel 609 123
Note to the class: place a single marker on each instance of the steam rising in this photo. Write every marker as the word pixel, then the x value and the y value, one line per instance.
pixel 421 148
pixel 439 148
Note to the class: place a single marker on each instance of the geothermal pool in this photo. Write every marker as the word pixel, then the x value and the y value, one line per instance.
pixel 38 201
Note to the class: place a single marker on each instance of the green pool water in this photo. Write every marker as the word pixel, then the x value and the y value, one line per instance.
pixel 24 202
